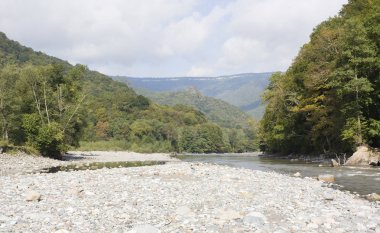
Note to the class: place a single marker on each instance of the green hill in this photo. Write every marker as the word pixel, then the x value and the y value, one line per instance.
pixel 217 111
pixel 50 104
pixel 328 101
pixel 241 90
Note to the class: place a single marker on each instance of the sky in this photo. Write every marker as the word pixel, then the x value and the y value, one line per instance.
pixel 165 38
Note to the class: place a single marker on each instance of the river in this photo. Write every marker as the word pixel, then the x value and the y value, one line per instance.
pixel 362 180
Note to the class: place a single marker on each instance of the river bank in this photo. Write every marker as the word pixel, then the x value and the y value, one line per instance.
pixel 179 197
pixel 25 164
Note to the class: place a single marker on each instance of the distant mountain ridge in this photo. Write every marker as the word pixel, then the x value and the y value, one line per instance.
pixel 241 90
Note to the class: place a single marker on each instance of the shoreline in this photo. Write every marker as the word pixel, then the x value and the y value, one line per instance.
pixel 21 164
pixel 248 154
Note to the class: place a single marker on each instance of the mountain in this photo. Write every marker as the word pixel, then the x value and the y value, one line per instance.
pixel 88 106
pixel 241 90
pixel 217 111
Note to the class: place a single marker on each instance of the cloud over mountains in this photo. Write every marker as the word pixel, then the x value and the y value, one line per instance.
pixel 167 37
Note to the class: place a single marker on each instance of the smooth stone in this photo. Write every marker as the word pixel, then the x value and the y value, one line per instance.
pixel 312 226
pixel 33 196
pixel 184 211
pixel 212 228
pixel 75 191
pixel 297 174
pixel 62 231
pixel 254 218
pixel 146 228
pixel 229 215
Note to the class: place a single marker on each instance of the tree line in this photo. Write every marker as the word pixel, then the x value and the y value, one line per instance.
pixel 328 101
pixel 51 106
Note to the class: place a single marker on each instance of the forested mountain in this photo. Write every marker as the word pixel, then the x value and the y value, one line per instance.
pixel 329 99
pixel 241 90
pixel 48 104
pixel 217 111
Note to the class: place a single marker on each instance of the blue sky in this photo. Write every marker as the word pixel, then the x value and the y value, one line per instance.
pixel 167 37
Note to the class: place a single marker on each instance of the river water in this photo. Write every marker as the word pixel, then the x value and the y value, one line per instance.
pixel 362 180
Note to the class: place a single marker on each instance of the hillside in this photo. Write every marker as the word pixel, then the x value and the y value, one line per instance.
pixel 50 104
pixel 241 90
pixel 217 111
pixel 328 101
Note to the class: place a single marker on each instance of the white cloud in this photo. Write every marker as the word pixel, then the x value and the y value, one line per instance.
pixel 167 37
pixel 197 71
pixel 240 51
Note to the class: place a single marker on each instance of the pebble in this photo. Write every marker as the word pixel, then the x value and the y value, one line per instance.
pixel 326 178
pixel 297 174
pixel 144 229
pixel 33 196
pixel 184 197
pixel 254 218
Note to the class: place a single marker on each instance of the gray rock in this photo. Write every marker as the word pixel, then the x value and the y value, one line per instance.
pixel 255 218
pixel 360 157
pixel 33 196
pixel 146 228
pixel 229 215
pixel 312 226
pixel 184 211
pixel 62 231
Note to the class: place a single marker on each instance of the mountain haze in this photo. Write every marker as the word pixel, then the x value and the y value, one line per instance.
pixel 241 90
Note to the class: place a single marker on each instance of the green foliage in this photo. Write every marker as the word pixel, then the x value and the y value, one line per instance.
pixel 217 111
pixel 205 138
pixel 238 128
pixel 47 104
pixel 49 140
pixel 329 99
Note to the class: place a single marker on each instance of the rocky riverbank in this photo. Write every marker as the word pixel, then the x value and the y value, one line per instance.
pixel 179 197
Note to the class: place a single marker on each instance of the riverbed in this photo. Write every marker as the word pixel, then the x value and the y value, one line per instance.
pixel 174 197
pixel 179 197
pixel 362 180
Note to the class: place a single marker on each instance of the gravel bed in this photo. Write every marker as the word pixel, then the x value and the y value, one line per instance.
pixel 179 197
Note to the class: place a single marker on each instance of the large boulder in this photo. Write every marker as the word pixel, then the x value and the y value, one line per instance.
pixel 373 197
pixel 363 156
pixel 374 160
pixel 334 163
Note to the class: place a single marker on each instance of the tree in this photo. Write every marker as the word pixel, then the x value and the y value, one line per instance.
pixel 328 100
pixel 55 97
pixel 8 77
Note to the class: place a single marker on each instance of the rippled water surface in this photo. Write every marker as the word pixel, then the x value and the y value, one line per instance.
pixel 363 180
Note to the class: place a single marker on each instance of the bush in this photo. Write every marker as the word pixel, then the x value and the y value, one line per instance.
pixel 48 139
